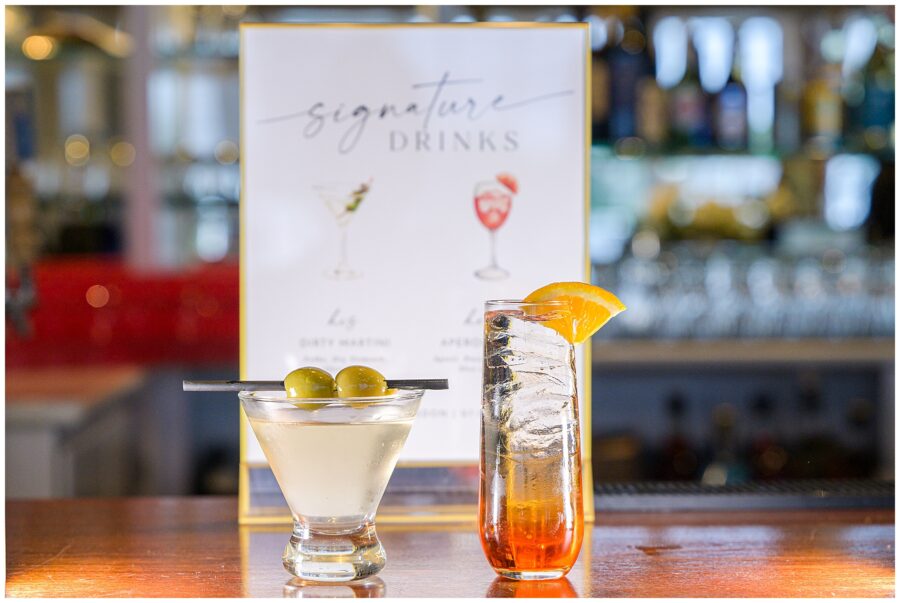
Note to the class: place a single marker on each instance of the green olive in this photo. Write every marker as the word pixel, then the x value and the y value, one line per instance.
pixel 309 382
pixel 360 382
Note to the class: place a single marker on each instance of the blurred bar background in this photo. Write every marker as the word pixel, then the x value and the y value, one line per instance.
pixel 742 207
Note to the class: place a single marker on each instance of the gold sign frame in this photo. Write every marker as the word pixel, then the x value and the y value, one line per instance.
pixel 417 513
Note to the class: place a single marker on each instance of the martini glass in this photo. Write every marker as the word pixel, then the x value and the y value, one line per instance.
pixel 343 200
pixel 492 204
pixel 332 458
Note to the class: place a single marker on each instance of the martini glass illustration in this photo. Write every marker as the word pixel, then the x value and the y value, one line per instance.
pixel 343 200
pixel 493 201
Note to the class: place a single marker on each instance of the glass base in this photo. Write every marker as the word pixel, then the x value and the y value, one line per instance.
pixel 531 575
pixel 333 555
pixel 492 273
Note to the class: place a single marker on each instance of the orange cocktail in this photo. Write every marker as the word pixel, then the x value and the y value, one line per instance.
pixel 531 519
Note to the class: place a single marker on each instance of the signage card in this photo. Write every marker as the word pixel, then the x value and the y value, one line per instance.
pixel 395 178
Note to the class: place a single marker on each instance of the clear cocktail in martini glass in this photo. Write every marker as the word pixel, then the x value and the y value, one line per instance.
pixel 332 458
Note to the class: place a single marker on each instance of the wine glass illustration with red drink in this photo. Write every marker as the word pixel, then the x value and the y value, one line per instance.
pixel 493 200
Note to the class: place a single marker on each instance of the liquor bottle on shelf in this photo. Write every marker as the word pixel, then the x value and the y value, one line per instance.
pixel 870 122
pixel 823 110
pixel 787 117
pixel 600 81
pixel 689 109
pixel 652 121
pixel 767 457
pixel 862 454
pixel 816 454
pixel 628 65
pixel 726 467
pixel 678 461
pixel 730 115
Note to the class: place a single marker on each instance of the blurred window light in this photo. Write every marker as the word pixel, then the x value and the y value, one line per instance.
pixel 566 18
pixel 832 46
pixel 670 39
pixel 95 183
pixel 598 31
pixel 39 48
pixel 610 228
pixel 848 190
pixel 886 33
pixel 203 120
pixel 761 47
pixel 762 52
pixel 714 39
pixel 82 99
pixel 729 179
pixel 164 94
pixel 463 18
pixel 199 181
pixel 761 109
pixel 213 233
pixel 860 38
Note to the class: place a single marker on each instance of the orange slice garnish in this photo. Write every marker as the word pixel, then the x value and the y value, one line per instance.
pixel 589 308
pixel 509 181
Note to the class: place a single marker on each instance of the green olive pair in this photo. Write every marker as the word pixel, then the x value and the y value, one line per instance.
pixel 351 382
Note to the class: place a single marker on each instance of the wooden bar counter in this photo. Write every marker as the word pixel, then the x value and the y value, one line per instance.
pixel 186 547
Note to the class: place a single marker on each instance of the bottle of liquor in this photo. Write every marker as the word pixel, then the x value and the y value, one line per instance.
pixel 726 467
pixel 875 114
pixel 862 454
pixel 767 457
pixel 628 64
pixel 600 83
pixel 816 454
pixel 678 460
pixel 823 109
pixel 730 115
pixel 787 117
pixel 652 121
pixel 689 109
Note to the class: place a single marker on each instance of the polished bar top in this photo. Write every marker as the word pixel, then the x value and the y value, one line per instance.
pixel 185 547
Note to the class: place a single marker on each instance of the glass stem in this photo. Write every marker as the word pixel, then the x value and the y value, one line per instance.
pixel 343 263
pixel 493 249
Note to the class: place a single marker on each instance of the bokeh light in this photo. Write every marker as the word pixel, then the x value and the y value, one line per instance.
pixel 226 152
pixel 39 48
pixel 78 150
pixel 122 153
pixel 97 296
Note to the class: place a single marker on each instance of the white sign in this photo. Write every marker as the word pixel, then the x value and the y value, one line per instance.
pixel 395 178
